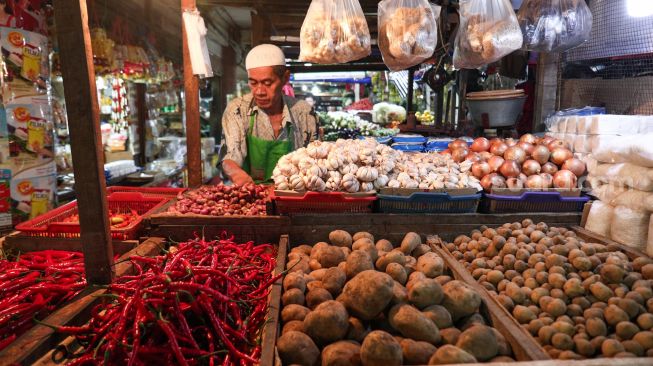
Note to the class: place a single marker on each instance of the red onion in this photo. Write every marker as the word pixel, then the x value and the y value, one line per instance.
pixel 536 182
pixel 528 138
pixel 515 153
pixel 458 143
pixel 495 163
pixel 549 168
pixel 531 167
pixel 564 179
pixel 481 169
pixel 541 154
pixel 222 200
pixel 493 180
pixel 498 149
pixel 548 180
pixel 459 154
pixel 560 154
pixel 509 169
pixel 481 144
pixel 515 183
pixel 574 165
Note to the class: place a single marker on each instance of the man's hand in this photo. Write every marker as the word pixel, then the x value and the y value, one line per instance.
pixel 235 173
pixel 241 178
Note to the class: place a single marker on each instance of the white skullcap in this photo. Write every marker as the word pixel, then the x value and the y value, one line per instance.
pixel 265 55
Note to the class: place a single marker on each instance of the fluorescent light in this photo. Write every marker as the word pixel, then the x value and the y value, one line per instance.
pixel 639 8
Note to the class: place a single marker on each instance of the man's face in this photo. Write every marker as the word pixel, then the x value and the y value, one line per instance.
pixel 266 86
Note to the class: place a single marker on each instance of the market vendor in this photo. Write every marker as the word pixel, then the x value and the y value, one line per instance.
pixel 262 126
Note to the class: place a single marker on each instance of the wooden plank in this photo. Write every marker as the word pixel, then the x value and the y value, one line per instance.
pixel 591 236
pixel 271 328
pixel 243 233
pixel 37 341
pixel 76 57
pixel 586 213
pixel 192 110
pixel 31 243
pixel 524 346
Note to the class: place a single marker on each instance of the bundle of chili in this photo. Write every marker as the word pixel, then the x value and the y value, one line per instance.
pixel 35 284
pixel 204 302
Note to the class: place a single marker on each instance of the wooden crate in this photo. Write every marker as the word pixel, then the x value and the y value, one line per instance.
pixel 591 236
pixel 23 243
pixel 37 341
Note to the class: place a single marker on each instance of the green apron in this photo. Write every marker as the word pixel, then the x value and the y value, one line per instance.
pixel 262 155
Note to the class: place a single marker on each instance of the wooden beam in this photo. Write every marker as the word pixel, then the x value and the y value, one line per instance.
pixel 78 74
pixel 261 29
pixel 546 88
pixel 192 95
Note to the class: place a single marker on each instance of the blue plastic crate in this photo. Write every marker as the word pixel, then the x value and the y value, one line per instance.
pixel 532 202
pixel 428 202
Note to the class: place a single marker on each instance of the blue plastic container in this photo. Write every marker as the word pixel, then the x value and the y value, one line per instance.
pixel 428 202
pixel 532 202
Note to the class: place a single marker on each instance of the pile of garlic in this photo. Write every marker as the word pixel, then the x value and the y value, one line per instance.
pixel 365 166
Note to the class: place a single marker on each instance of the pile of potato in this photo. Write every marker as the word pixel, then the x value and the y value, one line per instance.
pixel 578 299
pixel 357 301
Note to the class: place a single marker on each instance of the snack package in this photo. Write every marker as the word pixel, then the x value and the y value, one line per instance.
pixel 334 31
pixel 488 31
pixel 408 32
pixel 554 25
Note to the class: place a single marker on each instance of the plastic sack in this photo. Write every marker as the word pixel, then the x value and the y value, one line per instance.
pixel 624 174
pixel 599 218
pixel 488 31
pixel 334 31
pixel 608 192
pixel 649 243
pixel 630 227
pixel 554 25
pixel 636 149
pixel 633 199
pixel 408 32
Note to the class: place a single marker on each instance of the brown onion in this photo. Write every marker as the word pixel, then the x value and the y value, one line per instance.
pixel 511 142
pixel 459 154
pixel 522 177
pixel 496 162
pixel 493 180
pixel 481 144
pixel 560 154
pixel 531 167
pixel 565 179
pixel 526 147
pixel 556 144
pixel 528 138
pixel 473 157
pixel 481 169
pixel 549 168
pixel 536 182
pixel 457 143
pixel 548 180
pixel 546 140
pixel 498 149
pixel 515 153
pixel 574 165
pixel 485 155
pixel 515 183
pixel 541 154
pixel 495 140
pixel 509 169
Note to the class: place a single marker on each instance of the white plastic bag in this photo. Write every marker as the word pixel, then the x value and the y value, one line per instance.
pixel 408 32
pixel 624 174
pixel 608 192
pixel 636 149
pixel 488 31
pixel 633 199
pixel 630 227
pixel 334 31
pixel 599 218
pixel 554 25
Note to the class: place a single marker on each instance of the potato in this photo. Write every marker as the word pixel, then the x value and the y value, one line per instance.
pixel 562 341
pixel 367 294
pixel 334 279
pixel 394 256
pixel 314 285
pixel 411 323
pixel 645 321
pixel 645 339
pixel 397 272
pixel 327 323
pixel 367 246
pixel 399 294
pixel 584 347
pixel 601 291
pixel 450 335
pixel 363 234
pixel 479 341
pixel 633 347
pixel 314 265
pixel 357 330
pixel 612 273
pixel 294 280
pixel 430 264
pixel 504 347
pixel 470 321
pixel 611 347
pixel 626 330
pixel 523 314
pixel 297 348
pixel 357 262
pixel 381 349
pixel 414 278
pixel 293 325
pixel 342 353
pixel 647 271
pixel 340 238
pixel 425 293
pixel 294 312
pixel 329 256
pixel 448 354
pixel 318 274
pixel 298 265
pixel 410 242
pixel 420 250
pixel 384 245
pixel 317 296
pixel 293 296
pixel 416 352
pixel 302 249
pixel 614 315
pixel 438 315
pixel 460 300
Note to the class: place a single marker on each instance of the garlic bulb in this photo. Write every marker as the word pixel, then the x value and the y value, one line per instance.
pixel 333 183
pixel 315 183
pixel 366 187
pixel 367 174
pixel 296 183
pixel 318 150
pixel 349 169
pixel 306 163
pixel 394 184
pixel 381 181
pixel 350 183
pixel 316 171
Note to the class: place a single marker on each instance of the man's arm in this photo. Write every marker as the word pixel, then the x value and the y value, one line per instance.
pixel 235 173
pixel 234 145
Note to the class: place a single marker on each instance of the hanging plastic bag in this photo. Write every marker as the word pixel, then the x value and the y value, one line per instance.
pixel 334 31
pixel 554 25
pixel 488 31
pixel 408 32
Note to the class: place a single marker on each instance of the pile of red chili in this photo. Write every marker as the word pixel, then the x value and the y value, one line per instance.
pixel 33 285
pixel 204 302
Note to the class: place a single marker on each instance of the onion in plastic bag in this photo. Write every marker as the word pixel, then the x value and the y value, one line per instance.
pixel 488 31
pixel 554 25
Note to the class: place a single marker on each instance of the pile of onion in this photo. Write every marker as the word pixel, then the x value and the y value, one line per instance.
pixel 530 162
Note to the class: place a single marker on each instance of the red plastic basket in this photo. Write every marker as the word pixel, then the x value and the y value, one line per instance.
pixel 155 192
pixel 322 202
pixel 51 225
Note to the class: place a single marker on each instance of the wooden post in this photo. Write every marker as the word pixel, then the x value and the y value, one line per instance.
pixel 546 89
pixel 141 106
pixel 192 96
pixel 78 74
pixel 261 28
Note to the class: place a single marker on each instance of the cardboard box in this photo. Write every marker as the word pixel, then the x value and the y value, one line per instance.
pixel 117 155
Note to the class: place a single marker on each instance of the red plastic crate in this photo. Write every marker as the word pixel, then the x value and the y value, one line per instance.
pixel 155 192
pixel 51 225
pixel 322 202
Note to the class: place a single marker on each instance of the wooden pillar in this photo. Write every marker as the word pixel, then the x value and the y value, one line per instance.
pixel 142 114
pixel 83 112
pixel 192 97
pixel 261 29
pixel 546 88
